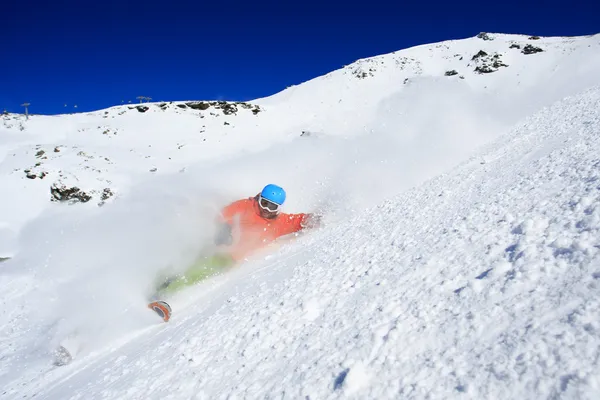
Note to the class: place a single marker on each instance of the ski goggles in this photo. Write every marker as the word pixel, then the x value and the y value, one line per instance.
pixel 268 205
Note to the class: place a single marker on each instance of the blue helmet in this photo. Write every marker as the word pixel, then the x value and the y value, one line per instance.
pixel 273 193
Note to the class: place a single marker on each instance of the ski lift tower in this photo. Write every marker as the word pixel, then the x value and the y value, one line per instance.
pixel 26 105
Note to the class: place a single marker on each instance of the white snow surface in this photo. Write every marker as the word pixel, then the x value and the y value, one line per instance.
pixel 459 255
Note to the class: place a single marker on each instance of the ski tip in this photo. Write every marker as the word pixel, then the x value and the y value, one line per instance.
pixel 162 308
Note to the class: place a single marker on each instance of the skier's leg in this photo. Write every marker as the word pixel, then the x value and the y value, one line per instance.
pixel 203 268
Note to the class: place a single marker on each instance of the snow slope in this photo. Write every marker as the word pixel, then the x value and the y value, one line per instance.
pixel 431 279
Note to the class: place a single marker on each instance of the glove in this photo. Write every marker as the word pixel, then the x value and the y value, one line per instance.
pixel 223 235
pixel 312 221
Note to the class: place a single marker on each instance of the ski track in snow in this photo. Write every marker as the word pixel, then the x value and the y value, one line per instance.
pixel 482 282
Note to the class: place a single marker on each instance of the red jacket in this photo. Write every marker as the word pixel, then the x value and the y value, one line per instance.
pixel 251 231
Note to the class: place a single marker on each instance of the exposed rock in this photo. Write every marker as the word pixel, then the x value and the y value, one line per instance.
pixel 534 38
pixel 487 64
pixel 153 169
pixel 199 105
pixel 529 49
pixel 57 149
pixel 484 69
pixel 106 194
pixel 451 73
pixel 226 123
pixel 62 356
pixel 42 175
pixel 228 108
pixel 83 154
pixel 142 109
pixel 70 195
pixel 31 175
pixel 515 46
pixel 40 153
pixel 484 36
pixel 480 54
pixel 362 74
pixel 497 62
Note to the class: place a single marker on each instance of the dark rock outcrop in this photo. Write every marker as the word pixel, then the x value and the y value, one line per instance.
pixel 480 54
pixel 106 194
pixel 199 105
pixel 529 49
pixel 487 64
pixel 71 195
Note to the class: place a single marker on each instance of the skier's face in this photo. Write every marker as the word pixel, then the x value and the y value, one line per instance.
pixel 267 214
pixel 267 209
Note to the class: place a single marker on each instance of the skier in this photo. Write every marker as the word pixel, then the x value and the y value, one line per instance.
pixel 243 227
pixel 259 221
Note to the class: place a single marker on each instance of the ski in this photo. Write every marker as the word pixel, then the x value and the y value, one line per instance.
pixel 162 308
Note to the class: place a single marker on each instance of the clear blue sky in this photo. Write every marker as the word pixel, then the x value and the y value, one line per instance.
pixel 97 53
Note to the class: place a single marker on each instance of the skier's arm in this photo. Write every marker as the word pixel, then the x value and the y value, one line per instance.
pixel 296 222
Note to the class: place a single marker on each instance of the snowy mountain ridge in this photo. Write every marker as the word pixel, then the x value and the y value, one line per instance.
pixel 394 94
pixel 459 257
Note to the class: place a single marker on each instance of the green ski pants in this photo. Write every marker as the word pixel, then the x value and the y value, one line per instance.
pixel 203 268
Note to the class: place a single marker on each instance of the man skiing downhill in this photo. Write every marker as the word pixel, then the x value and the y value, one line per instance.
pixel 259 221
pixel 243 227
